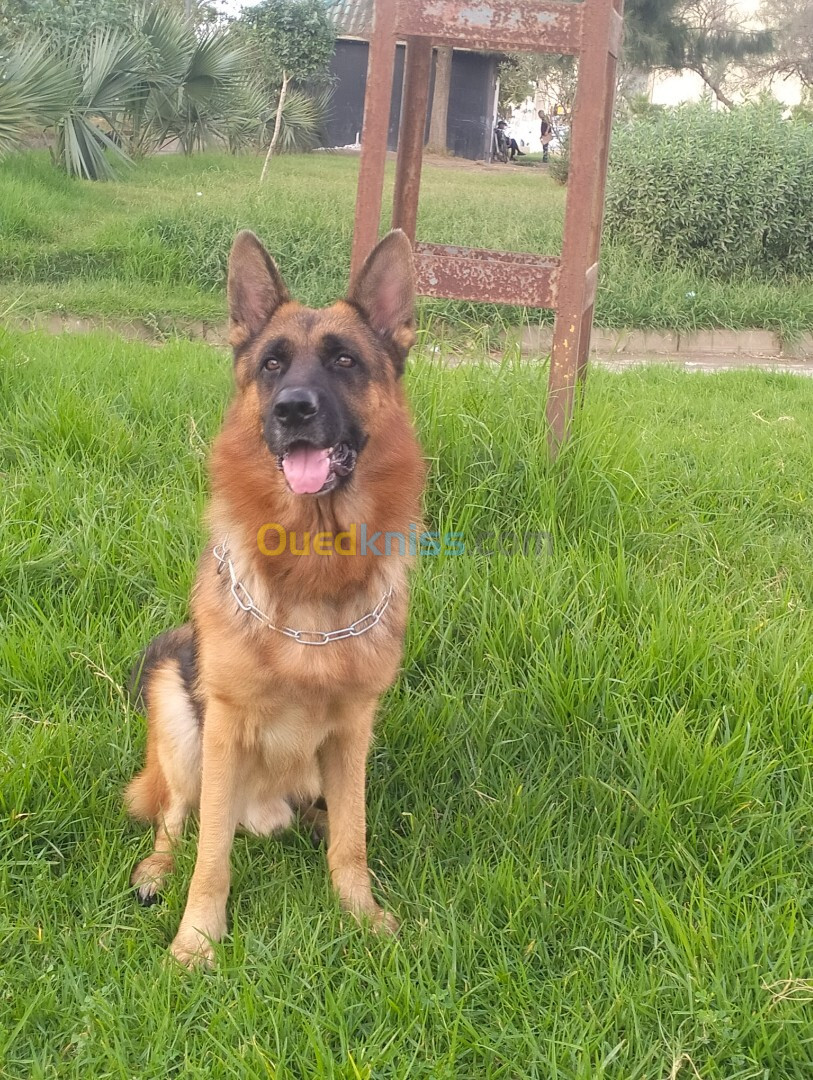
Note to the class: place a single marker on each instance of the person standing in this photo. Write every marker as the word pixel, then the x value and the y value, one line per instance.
pixel 546 134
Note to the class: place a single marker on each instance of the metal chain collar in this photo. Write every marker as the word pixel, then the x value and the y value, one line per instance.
pixel 245 602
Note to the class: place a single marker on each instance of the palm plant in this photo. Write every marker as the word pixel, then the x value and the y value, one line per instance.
pixel 194 103
pixel 251 116
pixel 128 90
pixel 34 86
pixel 298 121
pixel 247 116
pixel 168 46
pixel 109 72
pixel 304 116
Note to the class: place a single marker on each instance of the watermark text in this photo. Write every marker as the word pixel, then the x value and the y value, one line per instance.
pixel 274 540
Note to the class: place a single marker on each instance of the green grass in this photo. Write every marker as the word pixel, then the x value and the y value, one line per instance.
pixel 153 245
pixel 590 798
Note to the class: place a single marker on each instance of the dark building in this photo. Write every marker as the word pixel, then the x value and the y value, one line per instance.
pixel 472 95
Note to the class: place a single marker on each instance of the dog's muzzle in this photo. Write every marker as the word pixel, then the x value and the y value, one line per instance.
pixel 312 470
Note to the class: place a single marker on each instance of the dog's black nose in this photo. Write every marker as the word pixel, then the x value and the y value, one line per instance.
pixel 296 405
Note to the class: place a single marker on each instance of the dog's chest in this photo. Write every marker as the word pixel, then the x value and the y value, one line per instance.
pixel 269 650
pixel 317 672
pixel 351 645
pixel 290 732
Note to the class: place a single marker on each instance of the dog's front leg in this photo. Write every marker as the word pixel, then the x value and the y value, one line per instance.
pixel 204 920
pixel 343 764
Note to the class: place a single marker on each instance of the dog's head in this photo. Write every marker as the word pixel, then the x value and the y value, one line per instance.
pixel 312 374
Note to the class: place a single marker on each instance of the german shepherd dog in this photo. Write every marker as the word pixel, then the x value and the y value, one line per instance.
pixel 263 703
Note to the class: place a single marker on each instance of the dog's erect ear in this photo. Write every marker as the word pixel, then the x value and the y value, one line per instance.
pixel 384 289
pixel 255 287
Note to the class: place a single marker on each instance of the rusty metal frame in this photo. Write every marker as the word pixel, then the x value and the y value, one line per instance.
pixel 590 30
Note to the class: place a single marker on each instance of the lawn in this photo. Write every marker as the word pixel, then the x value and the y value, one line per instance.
pixel 152 246
pixel 590 797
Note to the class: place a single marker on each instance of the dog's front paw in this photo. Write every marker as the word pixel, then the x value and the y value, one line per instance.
pixel 384 923
pixel 193 949
pixel 353 886
pixel 378 920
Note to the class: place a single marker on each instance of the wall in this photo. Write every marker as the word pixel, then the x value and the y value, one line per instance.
pixel 471 99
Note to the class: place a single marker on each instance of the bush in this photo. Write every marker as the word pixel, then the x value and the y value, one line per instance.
pixel 559 163
pixel 724 192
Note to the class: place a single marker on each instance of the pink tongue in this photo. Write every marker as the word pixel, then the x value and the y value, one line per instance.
pixel 306 469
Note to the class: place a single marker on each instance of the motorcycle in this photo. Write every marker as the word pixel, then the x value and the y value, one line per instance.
pixel 499 145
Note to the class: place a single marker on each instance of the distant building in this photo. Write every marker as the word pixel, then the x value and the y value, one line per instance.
pixel 472 97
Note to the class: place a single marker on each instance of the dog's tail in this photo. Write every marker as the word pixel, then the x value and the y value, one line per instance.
pixel 148 792
pixel 171 645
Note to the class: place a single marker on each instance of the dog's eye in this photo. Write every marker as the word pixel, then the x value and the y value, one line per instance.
pixel 272 364
pixel 344 361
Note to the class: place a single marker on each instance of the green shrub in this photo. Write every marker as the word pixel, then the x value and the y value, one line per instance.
pixel 559 166
pixel 723 192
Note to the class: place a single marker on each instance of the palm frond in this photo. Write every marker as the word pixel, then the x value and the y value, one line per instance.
pixel 35 88
pixel 304 116
pixel 170 42
pixel 112 65
pixel 246 115
pixel 216 62
pixel 196 110
pixel 81 146
pixel 111 73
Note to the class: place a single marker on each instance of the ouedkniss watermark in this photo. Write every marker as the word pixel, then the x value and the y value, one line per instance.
pixel 358 539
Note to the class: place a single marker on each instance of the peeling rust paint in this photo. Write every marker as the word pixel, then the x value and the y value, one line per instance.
pixel 503 25
pixel 498 277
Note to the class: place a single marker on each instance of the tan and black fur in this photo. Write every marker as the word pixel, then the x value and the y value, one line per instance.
pixel 245 724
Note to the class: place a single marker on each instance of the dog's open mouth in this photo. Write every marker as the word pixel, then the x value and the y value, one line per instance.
pixel 314 470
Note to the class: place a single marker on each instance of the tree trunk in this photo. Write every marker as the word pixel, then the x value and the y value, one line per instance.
pixel 189 11
pixel 714 86
pixel 440 102
pixel 277 126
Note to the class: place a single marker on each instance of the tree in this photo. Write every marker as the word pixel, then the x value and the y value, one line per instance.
pixel 791 26
pixel 71 21
pixel 695 35
pixel 293 39
pixel 704 36
pixel 716 38
pixel 524 75
pixel 439 118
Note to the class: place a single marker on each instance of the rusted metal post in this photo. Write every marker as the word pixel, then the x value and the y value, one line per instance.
pixel 377 96
pixel 414 101
pixel 597 215
pixel 590 137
